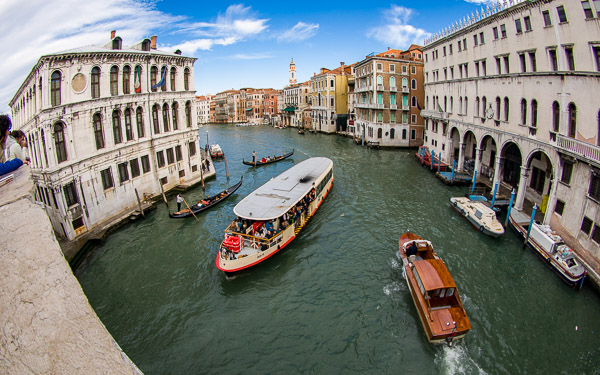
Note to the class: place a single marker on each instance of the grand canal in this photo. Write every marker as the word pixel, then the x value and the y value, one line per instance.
pixel 334 301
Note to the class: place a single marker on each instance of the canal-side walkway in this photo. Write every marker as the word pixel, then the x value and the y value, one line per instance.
pixel 48 326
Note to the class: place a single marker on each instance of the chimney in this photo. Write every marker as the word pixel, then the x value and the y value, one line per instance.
pixel 112 34
pixel 153 42
pixel 389 48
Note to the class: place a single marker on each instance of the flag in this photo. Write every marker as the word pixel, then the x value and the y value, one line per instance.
pixel 162 79
pixel 137 80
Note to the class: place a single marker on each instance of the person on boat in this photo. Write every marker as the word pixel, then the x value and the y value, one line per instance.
pixel 263 160
pixel 412 251
pixel 179 201
pixel 269 228
pixel 254 156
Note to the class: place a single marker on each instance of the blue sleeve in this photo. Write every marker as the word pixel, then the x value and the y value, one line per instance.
pixel 10 166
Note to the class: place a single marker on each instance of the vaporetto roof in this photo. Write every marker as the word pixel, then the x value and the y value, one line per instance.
pixel 275 198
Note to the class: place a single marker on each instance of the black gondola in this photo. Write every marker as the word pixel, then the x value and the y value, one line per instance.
pixel 213 201
pixel 278 158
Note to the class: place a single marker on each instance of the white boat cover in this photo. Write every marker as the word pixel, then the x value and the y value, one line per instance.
pixel 275 198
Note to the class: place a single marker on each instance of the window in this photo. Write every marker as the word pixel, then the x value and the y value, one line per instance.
pixel 153 74
pixel 506 108
pixel 559 208
pixel 393 82
pixel 413 134
pixel 475 40
pixel 498 105
pixel 392 133
pixel 139 120
pixel 55 88
pixel 192 149
pixel 594 190
pixel 413 119
pixel 331 86
pixel 450 49
pixel 555 117
pixel 128 129
pixel 117 133
pixel 413 70
pixel 547 20
pixel 186 79
pixel 459 46
pixel 586 225
pixel 172 78
pixel 333 102
pixel 414 101
pixel 107 178
pixel 596 234
pixel 379 69
pixel 95 82
pixel 174 110
pixel 518 26
pixel 170 156
pixel 481 39
pixel 570 58
pixel 392 68
pixel 596 52
pixel 597 6
pixel 503 31
pixel 98 131
pixel 507 64
pixel 498 66
pixel 379 133
pixel 532 61
pixel 123 173
pixel 135 168
pixel 523 111
pixel 567 172
pixel 126 79
pixel 163 77
pixel 413 84
pixel 155 119
pixel 562 16
pixel 114 80
pixel 523 63
pixel 392 118
pixel 495 32
pixel 477 106
pixel 553 60
pixel 145 163
pixel 188 114
pixel 537 180
pixel 165 117
pixel 71 198
pixel 160 159
pixel 59 142
pixel 527 21
pixel 534 108
pixel 178 154
pixel 137 79
pixel 572 120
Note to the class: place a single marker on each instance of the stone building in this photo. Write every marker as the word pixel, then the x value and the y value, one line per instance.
pixel 297 100
pixel 509 94
pixel 106 125
pixel 389 94
pixel 203 108
pixel 329 102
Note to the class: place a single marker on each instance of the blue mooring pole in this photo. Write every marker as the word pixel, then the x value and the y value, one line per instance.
pixel 474 181
pixel 512 198
pixel 530 224
pixel 452 176
pixel 422 154
pixel 439 162
pixel 494 196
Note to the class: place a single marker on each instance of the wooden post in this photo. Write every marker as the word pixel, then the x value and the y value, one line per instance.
pixel 163 194
pixel 139 202
pixel 226 167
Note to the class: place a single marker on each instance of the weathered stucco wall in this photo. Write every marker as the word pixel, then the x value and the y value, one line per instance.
pixel 47 324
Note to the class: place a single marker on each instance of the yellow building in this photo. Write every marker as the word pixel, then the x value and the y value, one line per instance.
pixel 330 99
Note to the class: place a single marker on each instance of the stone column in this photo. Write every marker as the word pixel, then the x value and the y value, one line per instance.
pixel 497 170
pixel 551 198
pixel 478 153
pixel 461 155
pixel 522 188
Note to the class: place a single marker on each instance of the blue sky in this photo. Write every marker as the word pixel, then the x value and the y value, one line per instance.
pixel 238 44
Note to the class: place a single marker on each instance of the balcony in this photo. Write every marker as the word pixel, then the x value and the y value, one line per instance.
pixel 393 106
pixel 378 106
pixel 405 107
pixel 361 105
pixel 580 149
pixel 380 88
pixel 393 88
pixel 405 90
pixel 436 115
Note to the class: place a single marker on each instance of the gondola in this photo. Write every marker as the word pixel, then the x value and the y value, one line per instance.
pixel 268 161
pixel 213 201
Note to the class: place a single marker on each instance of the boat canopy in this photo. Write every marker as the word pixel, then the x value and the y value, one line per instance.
pixel 277 196
pixel 434 274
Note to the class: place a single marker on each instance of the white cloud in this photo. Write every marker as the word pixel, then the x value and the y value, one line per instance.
pixel 254 56
pixel 300 31
pixel 397 31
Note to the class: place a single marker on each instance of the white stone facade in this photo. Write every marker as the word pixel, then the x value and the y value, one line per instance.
pixel 509 94
pixel 96 143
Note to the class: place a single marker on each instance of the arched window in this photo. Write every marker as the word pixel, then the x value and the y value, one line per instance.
pixel 116 121
pixel 114 80
pixel 153 73
pixel 498 104
pixel 392 81
pixel 175 111
pixel 379 80
pixel 155 123
pixel 379 133
pixel 379 98
pixel 483 106
pixel 40 88
pixel 172 78
pixel 95 82
pixel 404 82
pixel 98 131
pixel 523 112
pixel 188 114
pixel 128 128
pixel 55 88
pixel 393 99
pixel 555 117
pixel 137 79
pixel 477 103
pixel 445 103
pixel 427 102
pixel 139 120
pixel 413 84
pixel 414 101
pixel 165 117
pixel 392 133
pixel 59 142
pixel 126 79
pixel 506 108
pixel 186 79
pixel 466 106
pixel 403 133
pixel 460 105
pixel 534 107
pixel 572 120
pixel 451 103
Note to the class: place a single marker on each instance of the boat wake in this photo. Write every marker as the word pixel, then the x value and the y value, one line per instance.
pixel 391 288
pixel 456 360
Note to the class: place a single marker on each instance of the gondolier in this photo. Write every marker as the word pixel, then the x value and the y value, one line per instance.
pixel 254 156
pixel 179 201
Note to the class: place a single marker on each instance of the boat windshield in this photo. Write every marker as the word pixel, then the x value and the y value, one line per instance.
pixel 440 293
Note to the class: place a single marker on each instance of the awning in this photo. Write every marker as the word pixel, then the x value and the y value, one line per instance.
pixel 248 109
pixel 290 109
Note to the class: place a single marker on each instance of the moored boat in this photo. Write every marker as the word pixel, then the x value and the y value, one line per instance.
pixel 479 215
pixel 216 152
pixel 268 159
pixel 549 246
pixel 272 216
pixel 424 157
pixel 206 203
pixel 433 290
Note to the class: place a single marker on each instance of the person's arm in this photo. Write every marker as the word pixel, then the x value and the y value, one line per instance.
pixel 10 166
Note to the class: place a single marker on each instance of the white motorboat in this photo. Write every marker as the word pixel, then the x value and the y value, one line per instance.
pixel 482 217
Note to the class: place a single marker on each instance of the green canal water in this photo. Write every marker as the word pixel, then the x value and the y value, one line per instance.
pixel 334 301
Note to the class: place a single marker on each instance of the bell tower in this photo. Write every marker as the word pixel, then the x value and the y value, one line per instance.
pixel 292 72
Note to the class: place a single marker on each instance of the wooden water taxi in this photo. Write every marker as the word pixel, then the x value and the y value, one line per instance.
pixel 268 159
pixel 433 291
pixel 216 152
pixel 549 246
pixel 272 216
pixel 482 217
pixel 206 203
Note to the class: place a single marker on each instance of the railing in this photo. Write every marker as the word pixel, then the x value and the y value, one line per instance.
pixel 380 88
pixel 405 107
pixel 434 114
pixel 361 105
pixel 393 106
pixel 393 88
pixel 405 89
pixel 579 148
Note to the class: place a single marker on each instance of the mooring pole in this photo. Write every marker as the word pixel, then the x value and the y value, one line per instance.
pixel 512 197
pixel 530 224
pixel 139 202
pixel 226 167
pixel 452 175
